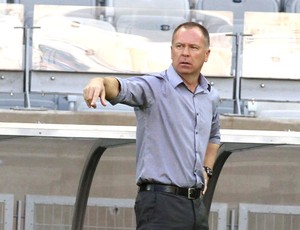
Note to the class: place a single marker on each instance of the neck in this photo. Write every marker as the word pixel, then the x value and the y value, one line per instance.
pixel 191 82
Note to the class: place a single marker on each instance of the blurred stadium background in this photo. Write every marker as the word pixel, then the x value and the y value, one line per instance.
pixel 49 49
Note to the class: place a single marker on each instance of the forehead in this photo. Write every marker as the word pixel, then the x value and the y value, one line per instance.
pixel 191 35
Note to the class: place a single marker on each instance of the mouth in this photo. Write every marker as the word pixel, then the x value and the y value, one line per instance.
pixel 185 63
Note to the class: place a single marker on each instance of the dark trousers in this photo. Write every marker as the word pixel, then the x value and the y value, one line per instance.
pixel 164 211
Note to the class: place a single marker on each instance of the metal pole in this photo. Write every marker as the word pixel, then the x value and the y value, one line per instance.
pixel 27 66
pixel 19 214
pixel 238 70
pixel 236 82
pixel 85 185
pixel 27 58
pixel 237 107
pixel 232 219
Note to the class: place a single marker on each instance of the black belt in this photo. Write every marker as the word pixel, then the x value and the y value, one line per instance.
pixel 190 193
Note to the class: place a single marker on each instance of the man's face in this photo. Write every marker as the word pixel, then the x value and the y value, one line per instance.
pixel 189 51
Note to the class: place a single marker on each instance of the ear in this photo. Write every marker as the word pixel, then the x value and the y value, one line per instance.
pixel 207 53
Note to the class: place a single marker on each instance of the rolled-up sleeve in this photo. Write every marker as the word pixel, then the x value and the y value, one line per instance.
pixel 215 135
pixel 134 91
pixel 121 96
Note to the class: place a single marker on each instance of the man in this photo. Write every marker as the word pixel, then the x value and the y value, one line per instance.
pixel 177 132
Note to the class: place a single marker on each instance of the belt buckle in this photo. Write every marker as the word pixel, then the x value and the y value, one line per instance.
pixel 191 193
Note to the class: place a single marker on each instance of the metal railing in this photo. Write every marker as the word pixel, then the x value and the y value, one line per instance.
pixel 6 211
pixel 55 212
pixel 264 217
pixel 101 213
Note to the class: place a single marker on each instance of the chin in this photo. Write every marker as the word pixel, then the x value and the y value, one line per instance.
pixel 184 71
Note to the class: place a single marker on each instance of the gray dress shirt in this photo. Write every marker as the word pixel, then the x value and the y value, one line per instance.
pixel 174 126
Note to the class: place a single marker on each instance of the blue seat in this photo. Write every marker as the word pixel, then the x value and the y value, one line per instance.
pixel 153 27
pixel 37 101
pixel 291 6
pixel 178 8
pixel 152 19
pixel 239 7
pixel 29 6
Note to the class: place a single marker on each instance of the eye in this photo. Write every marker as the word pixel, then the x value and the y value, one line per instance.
pixel 179 46
pixel 195 48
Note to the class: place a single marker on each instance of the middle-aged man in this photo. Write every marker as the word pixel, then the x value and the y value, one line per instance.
pixel 178 132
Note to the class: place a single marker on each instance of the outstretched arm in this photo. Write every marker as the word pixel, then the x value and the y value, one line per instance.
pixel 105 88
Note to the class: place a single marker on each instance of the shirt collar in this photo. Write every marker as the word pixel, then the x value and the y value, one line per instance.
pixel 176 80
pixel 204 84
pixel 173 77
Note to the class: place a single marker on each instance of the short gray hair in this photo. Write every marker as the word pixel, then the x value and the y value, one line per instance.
pixel 192 25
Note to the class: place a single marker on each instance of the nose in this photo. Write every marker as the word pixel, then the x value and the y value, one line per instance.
pixel 186 51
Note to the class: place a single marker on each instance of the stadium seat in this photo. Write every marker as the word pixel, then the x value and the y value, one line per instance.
pixel 239 7
pixel 214 21
pixel 147 17
pixel 291 6
pixel 154 28
pixel 56 54
pixel 178 8
pixel 37 101
pixel 29 6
